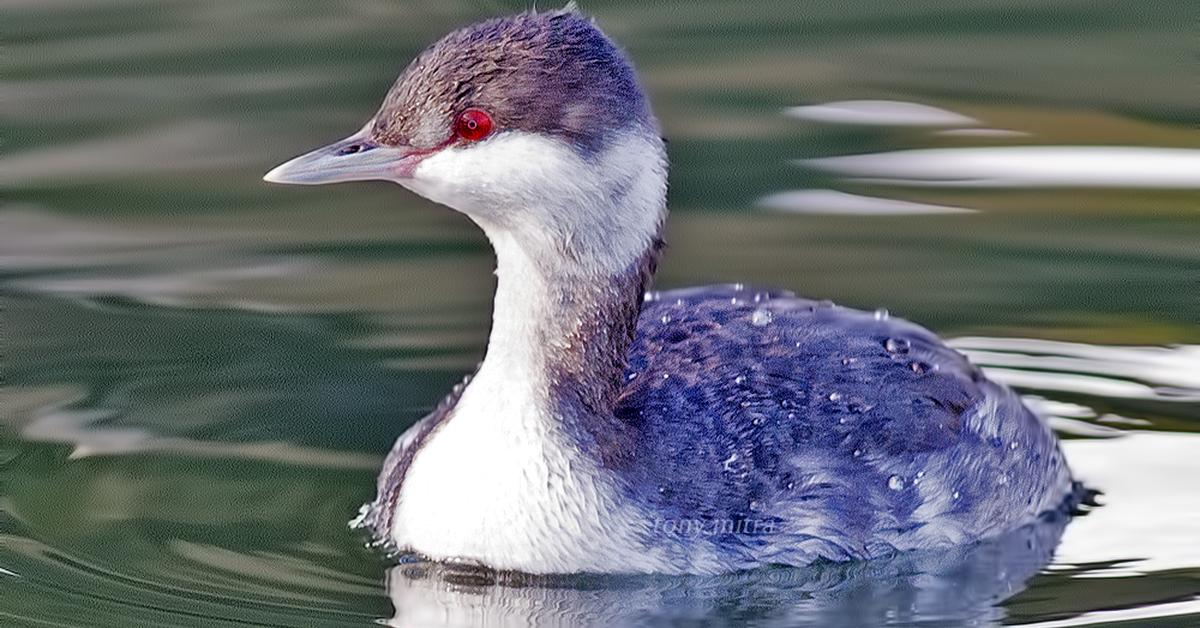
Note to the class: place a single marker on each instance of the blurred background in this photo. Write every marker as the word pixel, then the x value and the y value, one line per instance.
pixel 202 371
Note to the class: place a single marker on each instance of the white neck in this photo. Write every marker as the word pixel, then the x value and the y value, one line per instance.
pixel 591 213
pixel 571 234
pixel 571 268
pixel 507 471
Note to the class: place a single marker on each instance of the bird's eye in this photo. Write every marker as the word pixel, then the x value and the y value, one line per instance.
pixel 473 125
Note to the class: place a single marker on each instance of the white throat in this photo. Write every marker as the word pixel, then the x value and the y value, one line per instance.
pixel 501 481
pixel 592 213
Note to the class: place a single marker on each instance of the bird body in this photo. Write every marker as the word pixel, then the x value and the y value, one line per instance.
pixel 762 428
pixel 612 429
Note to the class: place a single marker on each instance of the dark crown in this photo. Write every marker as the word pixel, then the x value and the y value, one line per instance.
pixel 549 73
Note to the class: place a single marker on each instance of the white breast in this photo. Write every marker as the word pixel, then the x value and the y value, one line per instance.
pixel 493 486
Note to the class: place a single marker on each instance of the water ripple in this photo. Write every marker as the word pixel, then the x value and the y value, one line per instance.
pixel 1143 167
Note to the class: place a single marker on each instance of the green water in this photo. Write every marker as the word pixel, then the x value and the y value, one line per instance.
pixel 202 372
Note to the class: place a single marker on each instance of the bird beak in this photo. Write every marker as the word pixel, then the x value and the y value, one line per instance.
pixel 356 158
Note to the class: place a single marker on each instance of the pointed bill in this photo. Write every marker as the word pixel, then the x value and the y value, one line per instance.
pixel 356 158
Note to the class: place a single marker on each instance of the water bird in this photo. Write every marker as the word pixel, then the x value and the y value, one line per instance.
pixel 613 429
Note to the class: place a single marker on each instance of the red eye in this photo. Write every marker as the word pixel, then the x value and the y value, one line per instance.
pixel 473 125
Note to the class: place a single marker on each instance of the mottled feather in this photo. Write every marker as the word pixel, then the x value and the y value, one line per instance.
pixel 817 431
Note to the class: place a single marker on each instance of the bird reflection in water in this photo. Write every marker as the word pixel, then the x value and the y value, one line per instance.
pixel 951 587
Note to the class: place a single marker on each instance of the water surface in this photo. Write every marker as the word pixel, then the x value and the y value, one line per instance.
pixel 202 372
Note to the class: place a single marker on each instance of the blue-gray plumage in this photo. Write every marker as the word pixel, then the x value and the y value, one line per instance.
pixel 696 431
pixel 834 433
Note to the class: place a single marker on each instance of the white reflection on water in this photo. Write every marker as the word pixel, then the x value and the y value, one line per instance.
pixel 880 113
pixel 1150 514
pixel 1150 511
pixel 1137 167
pixel 1023 166
pixel 841 203
pixel 1153 373
pixel 980 133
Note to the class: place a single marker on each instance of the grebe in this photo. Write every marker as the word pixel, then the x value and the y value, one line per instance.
pixel 613 430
